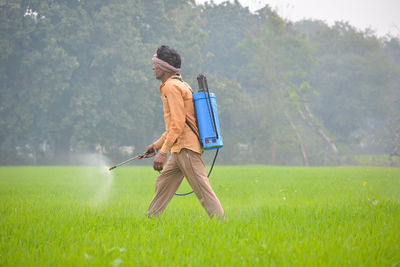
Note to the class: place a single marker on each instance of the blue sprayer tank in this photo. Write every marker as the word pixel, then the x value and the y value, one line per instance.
pixel 207 116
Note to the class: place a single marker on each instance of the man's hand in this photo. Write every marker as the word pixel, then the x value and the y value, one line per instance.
pixel 150 148
pixel 159 161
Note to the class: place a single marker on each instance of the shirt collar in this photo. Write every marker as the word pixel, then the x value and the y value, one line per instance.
pixel 173 76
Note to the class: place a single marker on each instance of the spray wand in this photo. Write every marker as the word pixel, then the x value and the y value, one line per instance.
pixel 139 157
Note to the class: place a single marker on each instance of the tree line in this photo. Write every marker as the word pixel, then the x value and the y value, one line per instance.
pixel 76 76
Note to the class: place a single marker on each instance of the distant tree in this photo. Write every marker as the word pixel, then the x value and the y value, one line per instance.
pixel 354 79
pixel 281 60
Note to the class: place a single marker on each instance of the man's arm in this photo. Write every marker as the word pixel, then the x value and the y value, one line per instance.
pixel 160 158
pixel 177 119
pixel 158 144
pixel 155 146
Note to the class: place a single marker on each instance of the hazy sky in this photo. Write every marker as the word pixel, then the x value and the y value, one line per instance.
pixel 383 16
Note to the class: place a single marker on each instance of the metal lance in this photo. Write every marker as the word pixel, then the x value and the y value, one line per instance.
pixel 139 157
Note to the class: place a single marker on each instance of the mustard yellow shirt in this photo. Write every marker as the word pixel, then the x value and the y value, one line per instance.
pixel 178 107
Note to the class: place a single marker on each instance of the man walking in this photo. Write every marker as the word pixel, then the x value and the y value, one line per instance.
pixel 178 139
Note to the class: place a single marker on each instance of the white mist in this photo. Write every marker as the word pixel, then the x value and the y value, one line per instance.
pixel 97 176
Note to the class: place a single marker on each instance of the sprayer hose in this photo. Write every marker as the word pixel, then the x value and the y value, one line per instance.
pixel 208 175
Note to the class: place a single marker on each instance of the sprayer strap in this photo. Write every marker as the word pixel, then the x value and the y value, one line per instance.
pixel 191 127
pixel 177 78
pixel 187 122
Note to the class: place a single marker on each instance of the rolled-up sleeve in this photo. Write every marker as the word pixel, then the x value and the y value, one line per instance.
pixel 158 144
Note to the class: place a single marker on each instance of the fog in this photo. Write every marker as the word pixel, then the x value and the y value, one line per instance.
pixel 76 79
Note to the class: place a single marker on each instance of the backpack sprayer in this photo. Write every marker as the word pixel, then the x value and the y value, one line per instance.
pixel 209 135
pixel 205 106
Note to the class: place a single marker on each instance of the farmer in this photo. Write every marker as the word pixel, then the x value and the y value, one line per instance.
pixel 178 139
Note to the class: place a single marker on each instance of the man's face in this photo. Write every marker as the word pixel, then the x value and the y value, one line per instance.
pixel 158 72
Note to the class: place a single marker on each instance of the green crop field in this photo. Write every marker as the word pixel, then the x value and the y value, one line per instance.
pixel 275 216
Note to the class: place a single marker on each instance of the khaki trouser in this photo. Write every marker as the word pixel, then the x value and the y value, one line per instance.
pixel 187 164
